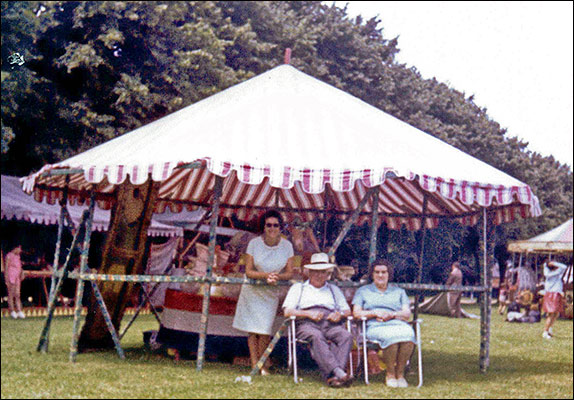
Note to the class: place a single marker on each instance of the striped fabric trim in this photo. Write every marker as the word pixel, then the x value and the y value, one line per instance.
pixel 299 193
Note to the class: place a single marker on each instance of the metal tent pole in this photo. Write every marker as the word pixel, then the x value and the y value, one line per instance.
pixel 210 261
pixel 83 269
pixel 485 309
pixel 421 258
pixel 374 228
pixel 350 221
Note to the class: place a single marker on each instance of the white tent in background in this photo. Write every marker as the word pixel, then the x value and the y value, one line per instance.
pixel 556 240
pixel 17 205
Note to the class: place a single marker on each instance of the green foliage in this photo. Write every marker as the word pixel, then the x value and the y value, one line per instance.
pixel 96 70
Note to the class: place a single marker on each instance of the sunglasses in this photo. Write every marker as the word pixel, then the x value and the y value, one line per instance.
pixel 269 225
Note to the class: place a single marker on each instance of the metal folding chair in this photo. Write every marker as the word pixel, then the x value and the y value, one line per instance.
pixel 367 343
pixel 292 346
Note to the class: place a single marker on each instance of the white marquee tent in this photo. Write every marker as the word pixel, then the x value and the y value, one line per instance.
pixel 286 140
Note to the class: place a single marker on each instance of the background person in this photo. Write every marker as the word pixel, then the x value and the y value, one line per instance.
pixel 268 257
pixel 387 309
pixel 553 302
pixel 453 298
pixel 14 275
pixel 322 311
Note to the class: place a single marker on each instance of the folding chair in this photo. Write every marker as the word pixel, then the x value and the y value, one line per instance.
pixel 292 346
pixel 369 344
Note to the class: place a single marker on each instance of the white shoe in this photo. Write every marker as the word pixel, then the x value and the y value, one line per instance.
pixel 21 315
pixel 392 382
pixel 13 314
pixel 402 383
pixel 545 335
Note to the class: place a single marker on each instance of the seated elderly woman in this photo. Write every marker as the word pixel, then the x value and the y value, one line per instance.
pixel 386 308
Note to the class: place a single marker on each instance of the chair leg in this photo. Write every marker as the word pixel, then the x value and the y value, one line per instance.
pixel 365 361
pixel 419 353
pixel 294 350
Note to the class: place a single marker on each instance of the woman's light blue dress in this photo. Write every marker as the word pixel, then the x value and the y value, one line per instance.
pixel 368 297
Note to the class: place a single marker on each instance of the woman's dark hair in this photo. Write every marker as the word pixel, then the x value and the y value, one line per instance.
pixel 386 263
pixel 267 215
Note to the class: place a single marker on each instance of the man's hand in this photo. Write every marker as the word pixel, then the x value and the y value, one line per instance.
pixel 334 317
pixel 314 315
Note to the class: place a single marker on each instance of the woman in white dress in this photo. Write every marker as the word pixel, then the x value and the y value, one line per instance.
pixel 270 258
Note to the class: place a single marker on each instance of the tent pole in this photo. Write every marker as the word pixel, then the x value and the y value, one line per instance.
pixel 83 269
pixel 349 222
pixel 421 258
pixel 210 261
pixel 56 264
pixel 374 228
pixel 43 343
pixel 485 309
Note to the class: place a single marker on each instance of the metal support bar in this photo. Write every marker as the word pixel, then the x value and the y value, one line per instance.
pixel 210 261
pixel 421 258
pixel 62 171
pixel 270 348
pixel 374 228
pixel 56 264
pixel 80 286
pixel 107 318
pixel 45 335
pixel 485 309
pixel 351 220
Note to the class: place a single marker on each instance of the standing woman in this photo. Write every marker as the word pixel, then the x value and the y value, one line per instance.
pixel 14 277
pixel 270 258
pixel 553 302
pixel 387 309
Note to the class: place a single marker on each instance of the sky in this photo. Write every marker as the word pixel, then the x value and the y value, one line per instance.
pixel 514 57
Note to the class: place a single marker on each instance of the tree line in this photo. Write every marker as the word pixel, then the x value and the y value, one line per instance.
pixel 92 71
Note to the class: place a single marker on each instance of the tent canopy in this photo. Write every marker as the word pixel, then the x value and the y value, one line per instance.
pixel 558 239
pixel 19 206
pixel 288 141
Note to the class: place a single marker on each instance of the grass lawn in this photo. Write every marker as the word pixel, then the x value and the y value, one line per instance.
pixel 522 365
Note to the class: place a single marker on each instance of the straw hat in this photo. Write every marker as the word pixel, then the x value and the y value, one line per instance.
pixel 319 261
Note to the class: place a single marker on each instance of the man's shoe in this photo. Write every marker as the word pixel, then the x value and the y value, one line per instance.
pixel 347 380
pixel 21 315
pixel 545 335
pixel 402 383
pixel 335 382
pixel 13 314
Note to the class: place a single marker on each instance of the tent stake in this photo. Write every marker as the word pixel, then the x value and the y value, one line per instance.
pixel 210 261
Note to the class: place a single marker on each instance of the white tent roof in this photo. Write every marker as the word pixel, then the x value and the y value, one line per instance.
pixel 558 239
pixel 282 137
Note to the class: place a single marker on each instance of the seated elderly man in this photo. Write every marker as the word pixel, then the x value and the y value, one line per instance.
pixel 321 310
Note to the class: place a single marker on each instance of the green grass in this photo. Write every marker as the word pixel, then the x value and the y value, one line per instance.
pixel 522 365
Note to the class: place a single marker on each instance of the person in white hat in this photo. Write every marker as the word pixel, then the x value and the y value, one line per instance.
pixel 321 310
